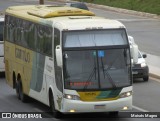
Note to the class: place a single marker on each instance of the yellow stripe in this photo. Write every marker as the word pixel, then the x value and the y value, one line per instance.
pixel 92 96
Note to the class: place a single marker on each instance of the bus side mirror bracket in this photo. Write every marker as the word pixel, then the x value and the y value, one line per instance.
pixel 59 55
pixel 134 53
pixel 134 49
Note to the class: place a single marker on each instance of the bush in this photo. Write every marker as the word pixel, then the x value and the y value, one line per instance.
pixel 150 6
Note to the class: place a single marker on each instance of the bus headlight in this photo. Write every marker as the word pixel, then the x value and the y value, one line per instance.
pixel 143 64
pixel 71 97
pixel 125 94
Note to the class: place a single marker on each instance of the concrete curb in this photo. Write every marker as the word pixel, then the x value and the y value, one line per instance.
pixel 154 76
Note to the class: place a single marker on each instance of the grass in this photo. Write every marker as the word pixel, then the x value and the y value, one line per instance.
pixel 149 6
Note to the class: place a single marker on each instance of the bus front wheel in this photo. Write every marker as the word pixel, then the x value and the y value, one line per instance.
pixel 55 113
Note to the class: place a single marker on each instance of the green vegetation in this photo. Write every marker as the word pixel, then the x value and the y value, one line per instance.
pixel 149 6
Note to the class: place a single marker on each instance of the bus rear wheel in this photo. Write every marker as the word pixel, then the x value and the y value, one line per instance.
pixel 54 112
pixel 19 91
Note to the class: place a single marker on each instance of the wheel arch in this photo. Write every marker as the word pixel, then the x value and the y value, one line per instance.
pixel 51 93
pixel 19 77
pixel 14 80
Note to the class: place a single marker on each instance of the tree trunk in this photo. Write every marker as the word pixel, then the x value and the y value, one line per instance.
pixel 41 2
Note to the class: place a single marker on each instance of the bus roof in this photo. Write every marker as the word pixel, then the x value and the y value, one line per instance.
pixel 85 22
pixel 66 18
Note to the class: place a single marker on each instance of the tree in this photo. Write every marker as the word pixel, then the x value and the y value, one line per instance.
pixel 41 2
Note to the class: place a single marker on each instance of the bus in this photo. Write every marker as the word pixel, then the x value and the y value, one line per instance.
pixel 2 68
pixel 68 59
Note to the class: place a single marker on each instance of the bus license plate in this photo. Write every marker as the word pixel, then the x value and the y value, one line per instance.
pixel 99 106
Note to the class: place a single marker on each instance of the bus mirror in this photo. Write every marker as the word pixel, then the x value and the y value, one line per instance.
pixel 59 55
pixel 134 53
pixel 144 56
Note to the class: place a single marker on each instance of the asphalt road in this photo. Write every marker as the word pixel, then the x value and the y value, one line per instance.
pixel 145 98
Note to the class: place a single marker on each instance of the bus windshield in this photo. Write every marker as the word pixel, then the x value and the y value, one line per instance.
pixel 94 38
pixel 95 69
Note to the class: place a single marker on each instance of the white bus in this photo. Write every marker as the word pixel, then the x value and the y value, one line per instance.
pixel 2 68
pixel 68 59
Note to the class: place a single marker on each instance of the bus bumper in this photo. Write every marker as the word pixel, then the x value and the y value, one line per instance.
pixel 76 106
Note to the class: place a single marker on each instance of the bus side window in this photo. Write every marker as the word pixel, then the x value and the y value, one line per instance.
pixel 47 38
pixel 23 33
pixel 58 70
pixel 44 39
pixel 18 31
pixel 56 37
pixel 11 29
pixel 40 41
pixel 1 31
pixel 6 28
pixel 31 36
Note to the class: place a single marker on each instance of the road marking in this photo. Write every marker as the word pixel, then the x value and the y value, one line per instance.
pixel 140 109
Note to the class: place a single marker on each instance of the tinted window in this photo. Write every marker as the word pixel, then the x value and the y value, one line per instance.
pixel 1 31
pixel 17 30
pixel 11 28
pixel 94 38
pixel 28 34
pixel 92 69
pixel 44 39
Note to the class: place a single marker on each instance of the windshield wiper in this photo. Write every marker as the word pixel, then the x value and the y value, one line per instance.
pixel 93 72
pixel 103 67
pixel 105 72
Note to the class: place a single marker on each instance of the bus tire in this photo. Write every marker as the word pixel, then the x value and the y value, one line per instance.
pixel 17 90
pixel 146 78
pixel 54 112
pixel 22 96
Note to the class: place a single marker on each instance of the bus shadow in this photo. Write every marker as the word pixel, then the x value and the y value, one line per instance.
pixel 138 80
pixel 2 74
pixel 45 110
pixel 87 116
